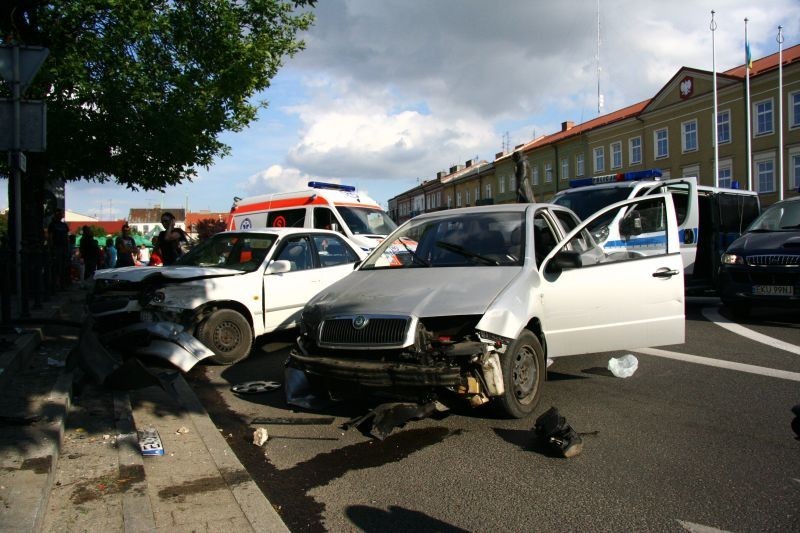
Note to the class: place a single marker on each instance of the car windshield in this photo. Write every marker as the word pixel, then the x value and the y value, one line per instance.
pixel 477 238
pixel 235 251
pixel 588 201
pixel 783 216
pixel 367 221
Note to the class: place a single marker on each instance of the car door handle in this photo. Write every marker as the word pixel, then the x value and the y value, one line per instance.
pixel 665 273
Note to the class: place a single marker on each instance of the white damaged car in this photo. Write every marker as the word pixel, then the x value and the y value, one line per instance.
pixel 478 301
pixel 220 296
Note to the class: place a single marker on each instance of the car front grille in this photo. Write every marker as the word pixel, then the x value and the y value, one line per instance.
pixel 773 260
pixel 378 331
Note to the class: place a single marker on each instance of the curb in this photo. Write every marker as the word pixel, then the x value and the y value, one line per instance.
pixel 14 359
pixel 256 507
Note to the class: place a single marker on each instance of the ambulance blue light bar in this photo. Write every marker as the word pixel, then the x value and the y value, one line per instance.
pixel 613 178
pixel 333 186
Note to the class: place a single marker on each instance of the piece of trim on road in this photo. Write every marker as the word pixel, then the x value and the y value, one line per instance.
pixel 712 314
pixel 730 365
pixel 699 528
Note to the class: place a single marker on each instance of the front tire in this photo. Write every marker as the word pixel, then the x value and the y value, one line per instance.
pixel 523 375
pixel 227 333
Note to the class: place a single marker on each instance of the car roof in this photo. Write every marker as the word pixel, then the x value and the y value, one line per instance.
pixel 499 208
pixel 281 232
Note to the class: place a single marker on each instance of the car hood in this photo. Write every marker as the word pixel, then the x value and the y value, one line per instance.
pixel 771 242
pixel 136 274
pixel 422 292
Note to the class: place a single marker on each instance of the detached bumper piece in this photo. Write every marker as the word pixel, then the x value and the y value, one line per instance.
pixel 112 359
pixel 378 374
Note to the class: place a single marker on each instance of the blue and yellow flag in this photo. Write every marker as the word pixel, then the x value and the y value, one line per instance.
pixel 748 57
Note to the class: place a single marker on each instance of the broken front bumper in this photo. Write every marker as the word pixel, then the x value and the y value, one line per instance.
pixel 377 374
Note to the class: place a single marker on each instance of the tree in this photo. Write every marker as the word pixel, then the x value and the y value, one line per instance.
pixel 139 90
pixel 207 227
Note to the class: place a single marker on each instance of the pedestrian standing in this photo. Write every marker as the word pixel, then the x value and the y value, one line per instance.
pixel 111 253
pixel 90 253
pixel 171 239
pixel 126 248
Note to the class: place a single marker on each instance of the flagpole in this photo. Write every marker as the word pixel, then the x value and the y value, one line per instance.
pixel 747 63
pixel 713 27
pixel 780 112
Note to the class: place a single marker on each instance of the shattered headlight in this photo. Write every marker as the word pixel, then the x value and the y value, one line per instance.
pixel 158 297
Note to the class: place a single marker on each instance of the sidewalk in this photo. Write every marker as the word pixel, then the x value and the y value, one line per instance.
pixel 71 457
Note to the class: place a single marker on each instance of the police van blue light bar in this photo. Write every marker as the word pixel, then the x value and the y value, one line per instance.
pixel 333 186
pixel 614 178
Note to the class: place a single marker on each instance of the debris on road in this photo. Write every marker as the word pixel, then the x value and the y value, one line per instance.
pixel 182 430
pixel 387 416
pixel 255 387
pixel 285 421
pixel 553 431
pixel 623 367
pixel 150 442
pixel 260 436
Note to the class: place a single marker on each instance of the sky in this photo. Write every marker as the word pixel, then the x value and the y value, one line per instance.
pixel 386 94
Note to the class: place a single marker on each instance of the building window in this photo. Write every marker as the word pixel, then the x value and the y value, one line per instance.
pixel 724 127
pixel 794 109
pixel 501 181
pixel 535 174
pixel 579 165
pixel 488 191
pixel 689 137
pixel 763 114
pixel 725 174
pixel 565 169
pixel 765 173
pixel 466 193
pixel 458 199
pixel 661 138
pixel 794 168
pixel 477 193
pixel 449 201
pixel 599 159
pixel 616 155
pixel 512 183
pixel 548 172
pixel 635 150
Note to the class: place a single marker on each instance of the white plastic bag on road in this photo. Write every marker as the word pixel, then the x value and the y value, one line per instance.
pixel 623 367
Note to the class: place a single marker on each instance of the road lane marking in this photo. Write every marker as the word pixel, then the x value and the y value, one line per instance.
pixel 712 314
pixel 699 528
pixel 730 365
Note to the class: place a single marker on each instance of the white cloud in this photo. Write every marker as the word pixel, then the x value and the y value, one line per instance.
pixel 276 179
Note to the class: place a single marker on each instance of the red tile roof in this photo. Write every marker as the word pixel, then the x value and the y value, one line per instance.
pixel 111 227
pixel 194 218
pixel 765 64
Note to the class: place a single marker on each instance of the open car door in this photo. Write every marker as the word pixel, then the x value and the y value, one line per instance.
pixel 684 198
pixel 620 297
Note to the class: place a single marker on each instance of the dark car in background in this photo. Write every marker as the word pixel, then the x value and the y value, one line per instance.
pixel 762 267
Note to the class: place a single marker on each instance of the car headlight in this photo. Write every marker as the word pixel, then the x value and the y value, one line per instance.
pixel 158 297
pixel 600 234
pixel 732 259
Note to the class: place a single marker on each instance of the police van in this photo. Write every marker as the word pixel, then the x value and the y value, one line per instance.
pixel 322 206
pixel 709 218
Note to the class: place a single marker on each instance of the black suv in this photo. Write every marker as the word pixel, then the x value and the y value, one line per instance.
pixel 762 267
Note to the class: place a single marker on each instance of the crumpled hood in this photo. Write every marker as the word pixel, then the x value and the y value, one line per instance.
pixel 423 292
pixel 771 242
pixel 136 274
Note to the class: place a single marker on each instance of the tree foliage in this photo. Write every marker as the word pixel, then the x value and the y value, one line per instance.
pixel 138 91
pixel 207 227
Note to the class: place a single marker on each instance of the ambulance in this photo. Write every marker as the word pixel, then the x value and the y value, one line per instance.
pixel 709 218
pixel 322 206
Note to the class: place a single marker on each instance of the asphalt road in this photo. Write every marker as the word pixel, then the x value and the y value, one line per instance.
pixel 681 445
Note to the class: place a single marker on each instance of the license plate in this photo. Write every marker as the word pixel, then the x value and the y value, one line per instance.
pixel 148 316
pixel 773 290
pixel 150 442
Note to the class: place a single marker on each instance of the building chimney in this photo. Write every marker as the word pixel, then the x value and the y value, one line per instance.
pixel 567 125
pixel 468 163
pixel 498 155
pixel 441 174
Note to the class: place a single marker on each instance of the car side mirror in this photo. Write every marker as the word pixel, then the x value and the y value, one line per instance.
pixel 565 259
pixel 278 267
pixel 631 224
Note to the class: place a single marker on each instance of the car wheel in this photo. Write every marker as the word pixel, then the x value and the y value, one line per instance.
pixel 228 334
pixel 739 309
pixel 523 375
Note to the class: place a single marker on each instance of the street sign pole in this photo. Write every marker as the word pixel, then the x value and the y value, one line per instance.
pixel 16 176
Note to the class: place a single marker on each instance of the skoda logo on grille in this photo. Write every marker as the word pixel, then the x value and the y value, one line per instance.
pixel 360 322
